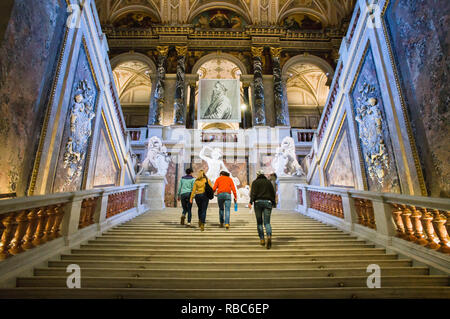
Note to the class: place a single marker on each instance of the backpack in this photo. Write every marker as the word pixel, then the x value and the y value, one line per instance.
pixel 208 190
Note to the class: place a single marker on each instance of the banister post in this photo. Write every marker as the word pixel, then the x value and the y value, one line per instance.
pixel 348 204
pixel 103 201
pixel 383 216
pixel 71 219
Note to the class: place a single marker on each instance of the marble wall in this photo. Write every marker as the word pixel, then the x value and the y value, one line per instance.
pixel 107 170
pixel 339 170
pixel 172 184
pixel 28 59
pixel 372 130
pixel 418 32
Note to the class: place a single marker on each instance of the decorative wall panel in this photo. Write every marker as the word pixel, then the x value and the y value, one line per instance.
pixel 78 128
pixel 339 170
pixel 373 133
pixel 418 32
pixel 107 169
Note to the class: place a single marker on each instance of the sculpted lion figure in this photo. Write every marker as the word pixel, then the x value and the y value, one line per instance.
pixel 157 160
pixel 285 162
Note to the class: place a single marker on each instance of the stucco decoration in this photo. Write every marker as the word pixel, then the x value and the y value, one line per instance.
pixel 156 163
pixel 285 162
pixel 370 120
pixel 373 131
pixel 78 128
pixel 81 116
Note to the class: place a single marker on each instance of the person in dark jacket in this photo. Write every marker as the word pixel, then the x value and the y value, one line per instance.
pixel 262 196
pixel 184 195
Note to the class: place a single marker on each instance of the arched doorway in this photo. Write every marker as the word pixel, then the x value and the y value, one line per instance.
pixel 132 76
pixel 307 90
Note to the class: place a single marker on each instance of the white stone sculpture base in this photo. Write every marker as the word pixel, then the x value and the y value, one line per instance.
pixel 155 191
pixel 287 192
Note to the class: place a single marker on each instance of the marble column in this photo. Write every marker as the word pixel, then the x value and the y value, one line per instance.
pixel 280 105
pixel 180 104
pixel 192 80
pixel 247 111
pixel 157 103
pixel 259 113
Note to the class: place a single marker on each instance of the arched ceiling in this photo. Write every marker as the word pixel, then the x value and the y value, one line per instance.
pixel 306 86
pixel 306 13
pixel 133 82
pixel 219 69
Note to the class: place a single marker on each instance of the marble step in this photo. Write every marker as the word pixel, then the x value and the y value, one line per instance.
pixel 360 262
pixel 235 283
pixel 418 292
pixel 231 273
pixel 192 258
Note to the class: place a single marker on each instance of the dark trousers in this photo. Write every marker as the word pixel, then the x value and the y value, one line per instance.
pixel 263 210
pixel 202 203
pixel 187 206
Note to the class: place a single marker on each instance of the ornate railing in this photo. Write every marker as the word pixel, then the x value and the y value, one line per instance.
pixel 327 203
pixel 29 222
pixel 424 221
pixel 25 229
pixel 366 215
pixel 424 226
pixel 87 212
pixel 120 202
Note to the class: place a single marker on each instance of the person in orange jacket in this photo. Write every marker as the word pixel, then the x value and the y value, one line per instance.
pixel 224 186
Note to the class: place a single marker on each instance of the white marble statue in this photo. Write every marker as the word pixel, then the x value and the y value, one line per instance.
pixel 285 162
pixel 244 194
pixel 156 163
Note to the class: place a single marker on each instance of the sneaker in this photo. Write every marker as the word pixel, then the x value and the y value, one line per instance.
pixel 188 224
pixel 269 242
pixel 182 219
pixel 262 242
pixel 202 227
pixel 227 226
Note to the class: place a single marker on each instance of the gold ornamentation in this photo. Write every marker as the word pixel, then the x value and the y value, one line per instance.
pixel 181 50
pixel 257 51
pixel 275 52
pixel 162 50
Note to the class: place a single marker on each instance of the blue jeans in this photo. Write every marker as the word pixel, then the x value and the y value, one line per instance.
pixel 263 210
pixel 202 203
pixel 187 206
pixel 224 201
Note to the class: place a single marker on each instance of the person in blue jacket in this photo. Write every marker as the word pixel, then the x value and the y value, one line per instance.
pixel 184 193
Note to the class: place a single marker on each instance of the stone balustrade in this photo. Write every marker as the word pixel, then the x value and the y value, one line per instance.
pixel 412 225
pixel 30 222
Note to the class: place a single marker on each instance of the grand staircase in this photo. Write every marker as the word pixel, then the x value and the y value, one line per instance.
pixel 153 256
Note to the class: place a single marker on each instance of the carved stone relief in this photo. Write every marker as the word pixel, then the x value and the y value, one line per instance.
pixel 373 132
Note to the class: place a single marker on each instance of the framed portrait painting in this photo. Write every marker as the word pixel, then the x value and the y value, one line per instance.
pixel 219 101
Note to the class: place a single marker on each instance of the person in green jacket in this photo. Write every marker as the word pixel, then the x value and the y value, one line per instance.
pixel 184 194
